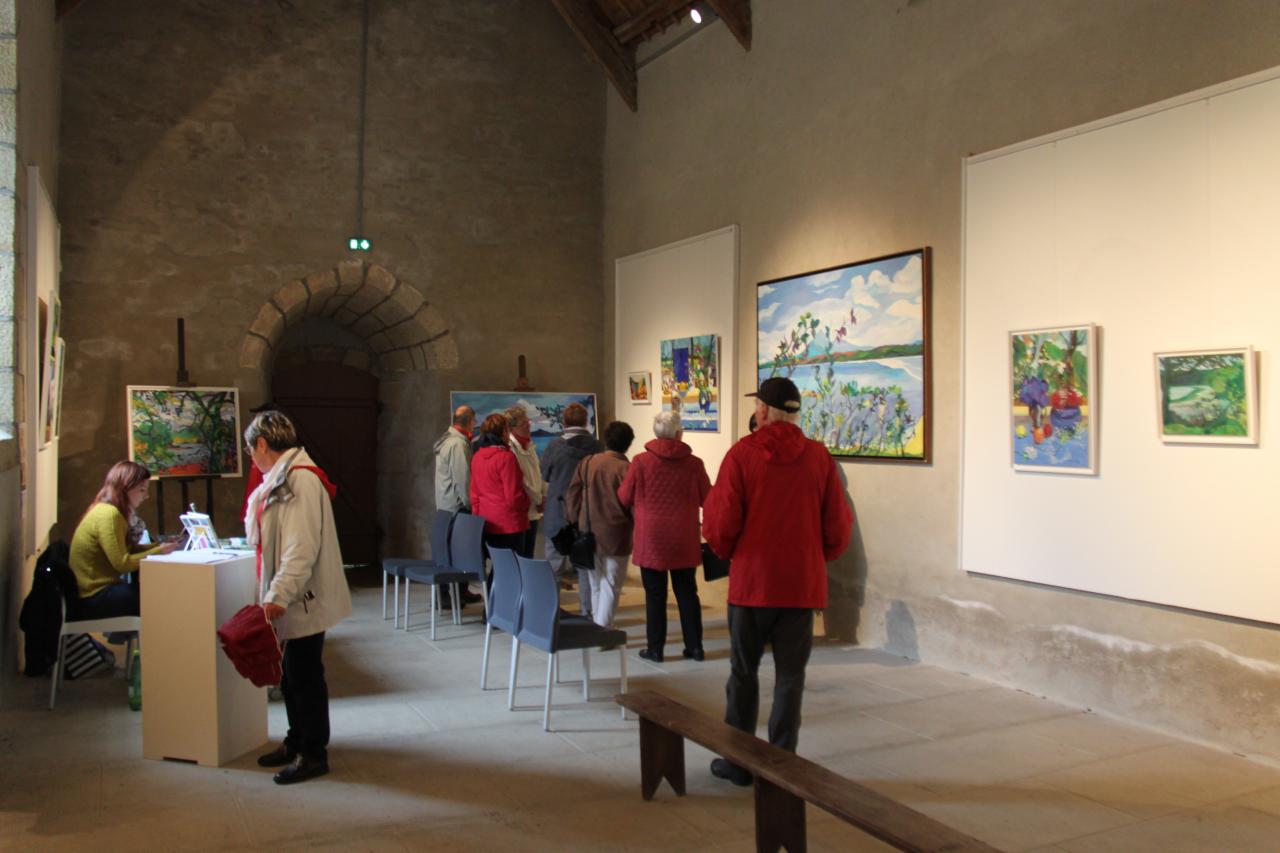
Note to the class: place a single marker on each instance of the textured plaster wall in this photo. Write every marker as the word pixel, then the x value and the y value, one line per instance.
pixel 209 161
pixel 839 136
pixel 30 54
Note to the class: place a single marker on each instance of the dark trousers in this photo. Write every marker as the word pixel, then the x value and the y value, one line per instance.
pixel 685 584
pixel 790 631
pixel 306 697
pixel 529 537
pixel 118 599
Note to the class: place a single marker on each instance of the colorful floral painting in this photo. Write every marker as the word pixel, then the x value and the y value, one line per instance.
pixel 1054 405
pixel 544 408
pixel 638 383
pixel 691 381
pixel 1207 397
pixel 855 340
pixel 185 432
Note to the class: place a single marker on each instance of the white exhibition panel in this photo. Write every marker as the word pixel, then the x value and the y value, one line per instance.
pixel 679 290
pixel 1161 228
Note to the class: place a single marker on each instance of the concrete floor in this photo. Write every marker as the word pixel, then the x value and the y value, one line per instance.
pixel 423 760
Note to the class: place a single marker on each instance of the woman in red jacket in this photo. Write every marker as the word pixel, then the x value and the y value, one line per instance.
pixel 665 486
pixel 497 486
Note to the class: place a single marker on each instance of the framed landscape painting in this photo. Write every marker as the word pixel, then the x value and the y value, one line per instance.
pixel 185 432
pixel 639 382
pixel 691 381
pixel 1207 396
pixel 1053 399
pixel 544 408
pixel 855 340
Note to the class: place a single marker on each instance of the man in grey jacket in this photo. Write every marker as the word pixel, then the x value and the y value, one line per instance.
pixel 558 464
pixel 453 462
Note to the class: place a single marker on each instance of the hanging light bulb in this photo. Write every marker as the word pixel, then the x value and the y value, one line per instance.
pixel 695 15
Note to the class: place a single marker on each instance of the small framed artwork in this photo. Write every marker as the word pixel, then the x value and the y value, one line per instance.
pixel 691 381
pixel 1054 400
pixel 639 382
pixel 1207 396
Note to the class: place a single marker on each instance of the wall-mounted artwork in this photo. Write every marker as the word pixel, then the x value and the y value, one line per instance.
pixel 691 381
pixel 544 408
pixel 855 340
pixel 185 432
pixel 56 374
pixel 639 382
pixel 1053 398
pixel 1207 396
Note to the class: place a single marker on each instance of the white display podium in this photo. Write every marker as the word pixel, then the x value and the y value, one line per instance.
pixel 195 706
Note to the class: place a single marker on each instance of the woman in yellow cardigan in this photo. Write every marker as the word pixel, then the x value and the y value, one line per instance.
pixel 105 547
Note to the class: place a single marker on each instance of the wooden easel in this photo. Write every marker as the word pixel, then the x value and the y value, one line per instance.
pixel 183 381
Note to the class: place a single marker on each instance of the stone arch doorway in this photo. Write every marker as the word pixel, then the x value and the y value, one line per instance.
pixel 403 331
pixel 355 316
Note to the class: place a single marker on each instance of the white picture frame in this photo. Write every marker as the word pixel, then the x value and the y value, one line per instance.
pixel 1205 405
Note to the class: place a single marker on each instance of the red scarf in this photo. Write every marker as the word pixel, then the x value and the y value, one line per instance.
pixel 524 442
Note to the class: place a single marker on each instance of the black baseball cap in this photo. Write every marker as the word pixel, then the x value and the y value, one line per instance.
pixel 780 393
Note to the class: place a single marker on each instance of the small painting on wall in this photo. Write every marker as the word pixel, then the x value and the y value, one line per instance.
pixel 855 340
pixel 639 382
pixel 1207 396
pixel 544 408
pixel 1054 404
pixel 691 381
pixel 185 432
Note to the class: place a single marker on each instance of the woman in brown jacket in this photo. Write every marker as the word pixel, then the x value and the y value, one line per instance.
pixel 592 500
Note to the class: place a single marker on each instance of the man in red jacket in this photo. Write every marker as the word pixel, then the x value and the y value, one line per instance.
pixel 779 512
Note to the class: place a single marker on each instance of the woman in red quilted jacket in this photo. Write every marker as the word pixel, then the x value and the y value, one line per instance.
pixel 497 486
pixel 665 487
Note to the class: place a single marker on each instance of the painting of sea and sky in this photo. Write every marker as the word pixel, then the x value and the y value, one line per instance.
pixel 855 340
pixel 1053 400
pixel 1207 397
pixel 545 409
pixel 185 432
pixel 691 381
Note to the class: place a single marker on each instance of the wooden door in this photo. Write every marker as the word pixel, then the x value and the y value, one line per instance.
pixel 335 409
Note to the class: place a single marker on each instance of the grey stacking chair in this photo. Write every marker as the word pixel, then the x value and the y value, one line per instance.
pixel 503 613
pixel 465 563
pixel 394 567
pixel 542 626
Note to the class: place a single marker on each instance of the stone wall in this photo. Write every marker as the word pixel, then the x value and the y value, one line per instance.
pixel 30 47
pixel 209 172
pixel 840 136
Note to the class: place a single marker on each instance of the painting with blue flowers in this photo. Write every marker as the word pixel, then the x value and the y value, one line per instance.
pixel 1054 402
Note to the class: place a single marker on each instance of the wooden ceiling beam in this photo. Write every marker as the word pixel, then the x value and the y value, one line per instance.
pixel 617 59
pixel 63 8
pixel 636 27
pixel 736 15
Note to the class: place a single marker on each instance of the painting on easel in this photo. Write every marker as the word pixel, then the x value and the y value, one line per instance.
pixel 185 432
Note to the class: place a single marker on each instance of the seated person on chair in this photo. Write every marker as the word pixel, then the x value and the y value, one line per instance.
pixel 104 548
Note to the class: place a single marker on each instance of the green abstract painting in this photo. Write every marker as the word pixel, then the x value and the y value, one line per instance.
pixel 185 432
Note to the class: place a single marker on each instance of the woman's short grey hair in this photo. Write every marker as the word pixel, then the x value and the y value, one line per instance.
pixel 666 424
pixel 517 417
pixel 275 427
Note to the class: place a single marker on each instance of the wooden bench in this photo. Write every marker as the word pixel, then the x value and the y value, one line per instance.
pixel 784 782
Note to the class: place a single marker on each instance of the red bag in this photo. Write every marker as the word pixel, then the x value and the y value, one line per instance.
pixel 250 641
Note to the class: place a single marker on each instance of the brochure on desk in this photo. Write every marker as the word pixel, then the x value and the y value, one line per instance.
pixel 203 557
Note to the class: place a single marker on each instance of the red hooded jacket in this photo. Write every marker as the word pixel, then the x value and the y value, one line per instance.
pixel 665 487
pixel 497 490
pixel 779 511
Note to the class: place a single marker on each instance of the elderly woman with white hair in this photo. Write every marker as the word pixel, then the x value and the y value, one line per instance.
pixel 665 487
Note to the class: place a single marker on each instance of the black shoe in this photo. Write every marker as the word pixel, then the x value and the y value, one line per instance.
pixel 278 757
pixel 300 770
pixel 695 654
pixel 649 654
pixel 468 597
pixel 722 769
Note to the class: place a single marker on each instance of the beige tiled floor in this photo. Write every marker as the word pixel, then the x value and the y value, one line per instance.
pixel 423 760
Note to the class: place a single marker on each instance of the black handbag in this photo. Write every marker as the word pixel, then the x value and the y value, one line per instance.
pixel 714 567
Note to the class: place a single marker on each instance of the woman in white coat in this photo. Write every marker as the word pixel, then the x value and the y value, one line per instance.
pixel 300 585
